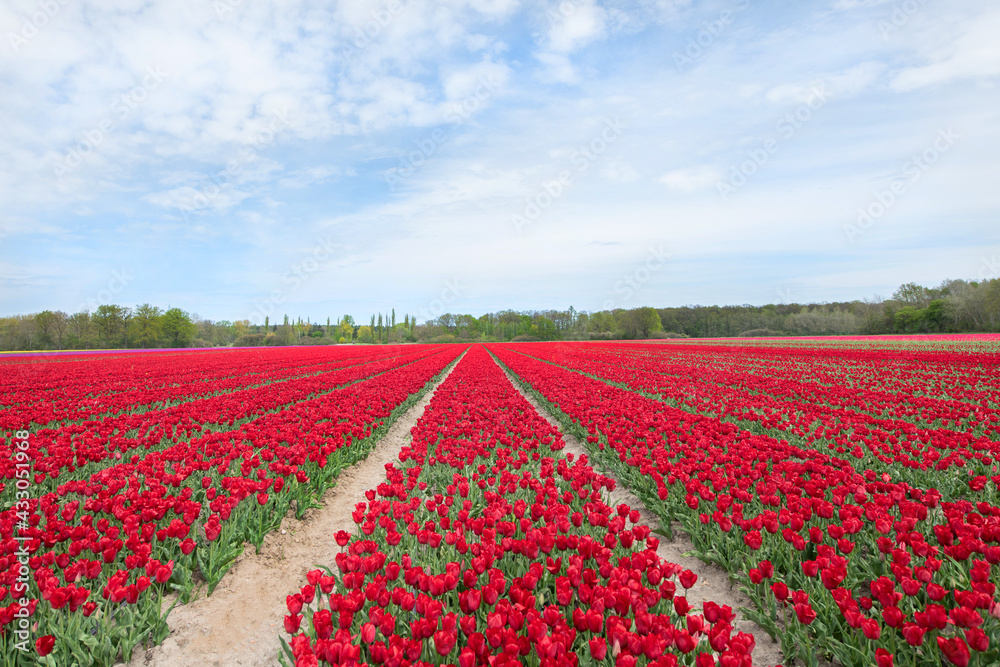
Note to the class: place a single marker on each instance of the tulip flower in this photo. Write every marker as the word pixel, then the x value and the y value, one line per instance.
pixel 45 644
pixel 954 650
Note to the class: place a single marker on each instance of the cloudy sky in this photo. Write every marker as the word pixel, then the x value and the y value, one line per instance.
pixel 238 158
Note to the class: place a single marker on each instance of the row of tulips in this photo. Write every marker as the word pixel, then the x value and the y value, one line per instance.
pixel 53 390
pixel 946 393
pixel 95 554
pixel 486 545
pixel 915 453
pixel 855 566
pixel 906 342
pixel 856 385
pixel 82 447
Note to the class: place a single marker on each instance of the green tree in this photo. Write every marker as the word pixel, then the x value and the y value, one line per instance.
pixel 60 323
pixel 45 327
pixel 241 328
pixel 80 331
pixel 602 322
pixel 935 314
pixel 544 328
pixel 146 326
pixel 178 329
pixel 912 294
pixel 640 322
pixel 346 328
pixel 909 319
pixel 111 322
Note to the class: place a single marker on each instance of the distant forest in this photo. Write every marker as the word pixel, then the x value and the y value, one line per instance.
pixel 954 306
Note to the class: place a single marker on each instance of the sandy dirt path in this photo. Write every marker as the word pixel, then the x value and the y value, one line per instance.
pixel 713 582
pixel 240 623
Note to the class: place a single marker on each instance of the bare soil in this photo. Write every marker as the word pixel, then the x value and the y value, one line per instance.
pixel 240 623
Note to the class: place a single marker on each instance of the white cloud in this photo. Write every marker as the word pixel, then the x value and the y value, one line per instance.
pixel 558 68
pixel 575 24
pixel 302 178
pixel 619 171
pixel 840 84
pixel 572 24
pixel 691 179
pixel 855 80
pixel 197 200
pixel 226 75
pixel 972 53
pixel 463 82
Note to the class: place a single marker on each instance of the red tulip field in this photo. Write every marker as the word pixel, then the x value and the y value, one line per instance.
pixel 849 488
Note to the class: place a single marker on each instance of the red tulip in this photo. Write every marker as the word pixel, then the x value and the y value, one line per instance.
pixel 45 644
pixel 780 591
pixel 913 634
pixel 444 641
pixel 681 605
pixel 893 617
pixel 954 650
pixel 292 622
pixel 805 613
pixel 467 658
pixel 977 639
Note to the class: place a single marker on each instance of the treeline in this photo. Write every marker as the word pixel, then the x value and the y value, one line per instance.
pixel 953 306
pixel 111 326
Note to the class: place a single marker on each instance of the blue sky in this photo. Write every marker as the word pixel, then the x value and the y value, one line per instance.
pixel 242 158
